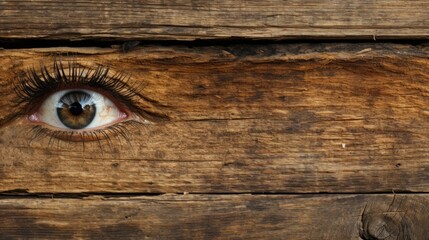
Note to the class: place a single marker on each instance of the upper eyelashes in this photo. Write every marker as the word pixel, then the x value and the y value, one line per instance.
pixel 34 86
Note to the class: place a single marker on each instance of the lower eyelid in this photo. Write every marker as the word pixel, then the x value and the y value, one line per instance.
pixel 120 130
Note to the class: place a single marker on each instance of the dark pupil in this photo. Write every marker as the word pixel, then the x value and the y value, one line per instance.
pixel 75 108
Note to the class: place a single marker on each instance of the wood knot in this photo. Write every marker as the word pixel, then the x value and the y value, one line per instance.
pixel 380 226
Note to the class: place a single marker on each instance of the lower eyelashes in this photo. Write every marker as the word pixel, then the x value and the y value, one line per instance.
pixel 120 131
pixel 109 140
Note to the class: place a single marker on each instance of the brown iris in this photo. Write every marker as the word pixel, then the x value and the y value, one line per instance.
pixel 77 109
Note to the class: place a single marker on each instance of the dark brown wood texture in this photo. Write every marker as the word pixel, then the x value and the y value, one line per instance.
pixel 251 118
pixel 221 19
pixel 257 141
pixel 218 217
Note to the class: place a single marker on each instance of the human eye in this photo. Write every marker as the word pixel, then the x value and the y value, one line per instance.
pixel 77 109
pixel 76 103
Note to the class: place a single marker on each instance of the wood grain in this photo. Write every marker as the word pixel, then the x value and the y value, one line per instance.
pixel 244 118
pixel 218 217
pixel 221 19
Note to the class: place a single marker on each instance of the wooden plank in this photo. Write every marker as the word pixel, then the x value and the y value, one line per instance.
pixel 245 118
pixel 221 19
pixel 218 217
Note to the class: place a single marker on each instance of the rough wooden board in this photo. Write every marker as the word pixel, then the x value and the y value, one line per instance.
pixel 219 217
pixel 247 118
pixel 222 19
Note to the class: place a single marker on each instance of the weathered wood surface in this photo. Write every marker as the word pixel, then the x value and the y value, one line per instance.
pixel 218 217
pixel 221 19
pixel 248 118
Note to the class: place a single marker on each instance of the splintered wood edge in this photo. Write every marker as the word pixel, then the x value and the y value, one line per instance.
pixel 257 52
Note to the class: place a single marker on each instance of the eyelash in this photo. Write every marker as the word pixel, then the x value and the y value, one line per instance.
pixel 32 88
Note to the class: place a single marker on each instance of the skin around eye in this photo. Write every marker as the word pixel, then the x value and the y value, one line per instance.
pixel 77 109
pixel 77 103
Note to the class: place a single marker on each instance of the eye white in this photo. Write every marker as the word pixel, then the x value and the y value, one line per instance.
pixel 106 110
